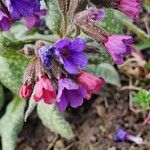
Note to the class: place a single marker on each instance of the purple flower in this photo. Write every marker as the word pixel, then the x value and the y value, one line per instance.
pixel 69 93
pixel 118 46
pixel 96 15
pixel 5 23
pixel 46 53
pixel 71 54
pixel 120 135
pixel 131 8
pixel 22 8
pixel 34 19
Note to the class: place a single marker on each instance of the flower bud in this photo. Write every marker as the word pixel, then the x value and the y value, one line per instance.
pixel 25 91
pixel 91 83
pixel 44 90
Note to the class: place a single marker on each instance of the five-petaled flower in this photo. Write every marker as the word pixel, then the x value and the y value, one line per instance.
pixel 69 93
pixel 131 8
pixel 91 83
pixel 118 46
pixel 71 54
pixel 44 90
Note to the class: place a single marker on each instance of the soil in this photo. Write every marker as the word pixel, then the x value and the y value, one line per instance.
pixel 94 126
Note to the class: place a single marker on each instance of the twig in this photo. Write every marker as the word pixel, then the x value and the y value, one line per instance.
pixel 147 119
pixel 130 87
pixel 53 142
pixel 69 146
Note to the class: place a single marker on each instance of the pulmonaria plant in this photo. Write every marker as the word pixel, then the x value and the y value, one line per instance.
pixel 58 71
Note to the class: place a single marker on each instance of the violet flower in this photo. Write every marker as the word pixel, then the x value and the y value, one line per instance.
pixel 131 8
pixel 118 46
pixel 46 53
pixel 122 135
pixel 22 8
pixel 5 23
pixel 69 93
pixel 71 55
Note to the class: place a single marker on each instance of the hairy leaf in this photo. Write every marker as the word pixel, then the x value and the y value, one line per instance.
pixel 11 123
pixel 53 18
pixel 54 120
pixel 107 71
pixel 12 66
pixel 111 23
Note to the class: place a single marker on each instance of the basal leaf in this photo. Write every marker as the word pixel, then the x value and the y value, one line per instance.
pixel 11 123
pixel 12 66
pixel 54 120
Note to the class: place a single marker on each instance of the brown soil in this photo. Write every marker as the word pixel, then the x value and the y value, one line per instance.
pixel 94 126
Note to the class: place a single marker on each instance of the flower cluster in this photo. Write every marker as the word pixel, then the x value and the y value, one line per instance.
pixel 13 10
pixel 56 75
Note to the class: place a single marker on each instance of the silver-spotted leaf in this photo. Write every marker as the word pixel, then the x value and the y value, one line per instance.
pixel 54 120
pixel 12 66
pixel 53 18
pixel 11 123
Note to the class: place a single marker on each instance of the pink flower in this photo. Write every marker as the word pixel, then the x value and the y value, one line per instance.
pixel 44 90
pixel 91 83
pixel 25 91
pixel 119 46
pixel 131 8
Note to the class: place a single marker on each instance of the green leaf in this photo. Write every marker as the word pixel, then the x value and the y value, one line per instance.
pixel 107 71
pixel 1 96
pixel 129 24
pixel 53 18
pixel 31 106
pixel 19 34
pixel 54 120
pixel 101 57
pixel 111 23
pixel 12 66
pixel 144 44
pixel 11 123
pixel 143 99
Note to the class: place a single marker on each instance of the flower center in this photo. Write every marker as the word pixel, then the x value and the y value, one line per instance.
pixel 65 52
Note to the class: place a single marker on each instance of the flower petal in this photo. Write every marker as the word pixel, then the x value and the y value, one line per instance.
pixel 62 105
pixel 77 45
pixel 62 43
